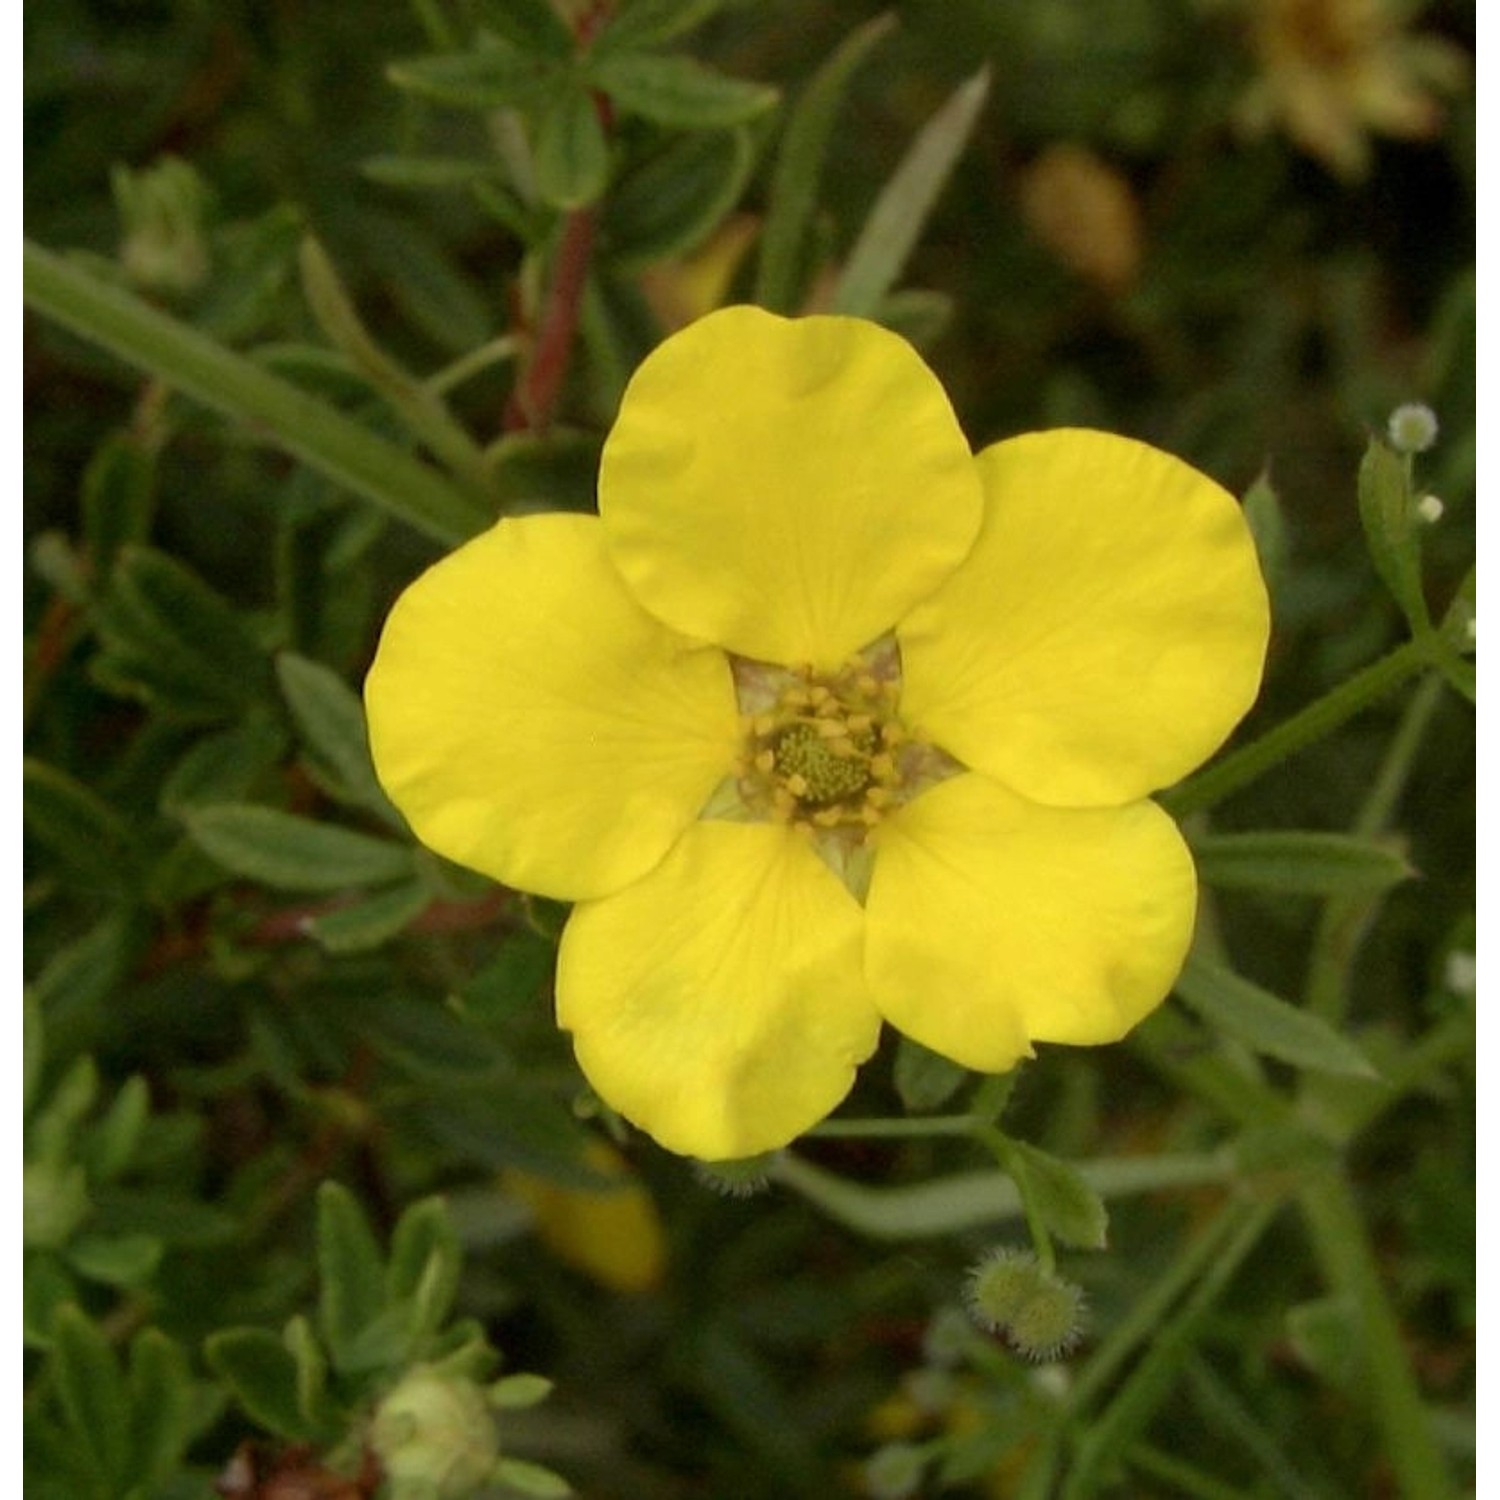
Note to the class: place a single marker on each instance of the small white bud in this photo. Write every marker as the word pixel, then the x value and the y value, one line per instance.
pixel 1430 508
pixel 1461 972
pixel 1412 428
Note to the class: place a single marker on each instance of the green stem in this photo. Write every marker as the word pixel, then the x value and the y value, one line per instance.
pixel 450 377
pixel 1182 1476
pixel 292 418
pixel 1343 1248
pixel 916 1127
pixel 1009 1161
pixel 1313 723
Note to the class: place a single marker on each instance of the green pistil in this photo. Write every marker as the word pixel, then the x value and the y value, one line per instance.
pixel 832 775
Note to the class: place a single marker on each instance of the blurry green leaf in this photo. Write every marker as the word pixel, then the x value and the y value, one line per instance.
pixel 532 1479
pixel 424 1231
pixel 351 1273
pixel 427 171
pixel 125 1260
pixel 112 1142
pixel 427 1038
pixel 119 497
pixel 512 981
pixel 313 1399
pixel 493 76
pixel 369 923
pixel 1327 1336
pixel 649 23
pixel 432 1298
pixel 1312 864
pixel 45 1286
pixel 1387 511
pixel 262 1373
pixel 572 155
pixel 925 1080
pixel 93 1393
pixel 80 976
pixel 85 833
pixel 225 766
pixel 387 1340
pixel 919 316
pixel 172 640
pixel 678 91
pixel 517 1392
pixel 901 211
pixel 161 1406
pixel 295 854
pixel 523 220
pixel 49 1134
pixel 1265 1023
pixel 1267 525
pixel 171 1217
pixel 331 721
pixel 54 1202
pixel 252 270
pixel 551 470
pixel 1456 639
pixel 669 204
pixel 799 165
pixel 1071 1209
pixel 33 1046
pixel 530 25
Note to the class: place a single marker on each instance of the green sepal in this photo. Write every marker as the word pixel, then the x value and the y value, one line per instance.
pixel 570 152
pixel 1266 1023
pixel 351 1271
pixel 263 1374
pixel 1310 864
pixel 925 1080
pixel 1068 1206
pixel 290 853
pixel 677 91
pixel 1387 510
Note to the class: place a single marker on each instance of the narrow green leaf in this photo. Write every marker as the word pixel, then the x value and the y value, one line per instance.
pixel 427 1039
pixel 1311 864
pixel 262 1373
pixel 112 1143
pixel 901 211
pixel 678 91
pixel 1069 1207
pixel 1263 513
pixel 85 833
pixel 331 722
pixel 673 201
pixel 494 76
pixel 1388 513
pixel 161 1406
pixel 92 1390
pixel 295 854
pixel 529 25
pixel 313 1400
pixel 432 1301
pixel 1265 1023
pixel 423 1231
pixel 532 1479
pixel 402 171
pixel 799 165
pixel 119 495
pixel 925 1080
pixel 226 766
pixel 369 923
pixel 123 1260
pixel 297 422
pixel 350 1269
pixel 517 1392
pixel 571 154
pixel 639 24
pixel 45 1286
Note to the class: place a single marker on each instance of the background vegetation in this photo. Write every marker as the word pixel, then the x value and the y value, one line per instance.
pixel 318 290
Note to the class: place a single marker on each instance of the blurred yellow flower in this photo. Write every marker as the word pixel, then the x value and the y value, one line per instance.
pixel 1332 71
pixel 826 721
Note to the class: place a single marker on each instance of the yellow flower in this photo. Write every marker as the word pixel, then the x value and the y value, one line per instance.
pixel 1333 69
pixel 826 721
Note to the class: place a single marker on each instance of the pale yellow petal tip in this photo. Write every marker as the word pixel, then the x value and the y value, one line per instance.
pixel 613 1234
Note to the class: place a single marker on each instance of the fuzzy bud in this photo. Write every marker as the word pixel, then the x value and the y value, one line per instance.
pixel 1039 1313
pixel 435 1436
pixel 1412 428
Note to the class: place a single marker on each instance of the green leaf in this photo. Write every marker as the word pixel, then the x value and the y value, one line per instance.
pixel 1069 1207
pixel 404 171
pixel 426 1038
pixel 671 203
pixel 640 24
pixel 262 1373
pixel 517 1392
pixel 112 1143
pixel 119 496
pixel 351 1272
pixel 123 1260
pixel 678 91
pixel 532 1479
pixel 330 720
pixel 1327 1335
pixel 161 1406
pixel 225 766
pixel 925 1080
pixel 369 923
pixel 1388 514
pixel 92 1391
pixel 85 833
pixel 494 76
pixel 901 211
pixel 33 1047
pixel 1310 864
pixel 799 165
pixel 530 25
pixel 313 1400
pixel 1265 1023
pixel 289 853
pixel 571 157
pixel 45 1286
pixel 1263 514
pixel 423 1232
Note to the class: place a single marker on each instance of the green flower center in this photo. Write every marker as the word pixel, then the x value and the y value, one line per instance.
pixel 830 775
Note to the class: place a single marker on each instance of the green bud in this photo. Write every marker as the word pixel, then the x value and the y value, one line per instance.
pixel 162 209
pixel 435 1437
pixel 1039 1313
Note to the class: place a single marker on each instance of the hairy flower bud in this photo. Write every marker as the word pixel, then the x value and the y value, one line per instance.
pixel 435 1436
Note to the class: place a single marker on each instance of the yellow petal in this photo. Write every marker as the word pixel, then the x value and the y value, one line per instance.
pixel 786 488
pixel 534 723
pixel 613 1234
pixel 1106 632
pixel 995 922
pixel 719 1003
